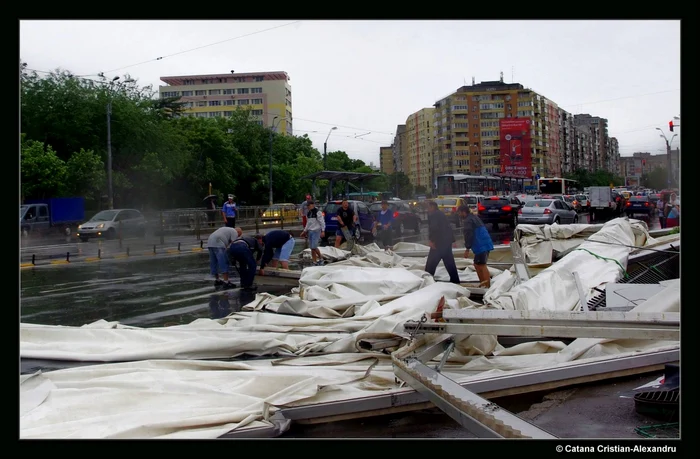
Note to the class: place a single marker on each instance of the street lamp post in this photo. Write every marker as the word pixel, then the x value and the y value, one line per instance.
pixel 272 131
pixel 110 192
pixel 325 161
pixel 669 171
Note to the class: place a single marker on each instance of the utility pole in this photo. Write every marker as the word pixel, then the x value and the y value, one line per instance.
pixel 325 161
pixel 669 170
pixel 272 131
pixel 110 195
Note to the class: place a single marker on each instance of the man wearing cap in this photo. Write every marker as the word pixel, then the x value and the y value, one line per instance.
pixel 241 251
pixel 305 210
pixel 315 228
pixel 229 210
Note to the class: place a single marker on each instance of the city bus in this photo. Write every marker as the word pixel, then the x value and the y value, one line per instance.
pixel 457 184
pixel 556 185
pixel 370 196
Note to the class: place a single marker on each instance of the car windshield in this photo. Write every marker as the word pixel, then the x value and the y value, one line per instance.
pixel 639 199
pixel 538 203
pixel 569 198
pixel 332 207
pixel 446 202
pixel 22 209
pixel 470 200
pixel 104 216
pixel 377 206
pixel 581 197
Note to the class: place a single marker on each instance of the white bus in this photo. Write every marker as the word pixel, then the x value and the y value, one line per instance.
pixel 556 185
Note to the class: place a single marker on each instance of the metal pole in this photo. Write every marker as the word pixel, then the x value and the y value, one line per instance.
pixel 668 162
pixel 325 167
pixel 110 196
pixel 271 132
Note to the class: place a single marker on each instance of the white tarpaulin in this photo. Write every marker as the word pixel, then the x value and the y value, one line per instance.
pixel 198 399
pixel 328 253
pixel 602 258
pixel 539 241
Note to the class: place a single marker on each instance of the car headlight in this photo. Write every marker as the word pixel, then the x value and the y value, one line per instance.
pixel 80 226
pixel 100 226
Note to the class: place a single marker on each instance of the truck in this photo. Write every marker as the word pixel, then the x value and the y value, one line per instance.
pixel 41 215
pixel 602 203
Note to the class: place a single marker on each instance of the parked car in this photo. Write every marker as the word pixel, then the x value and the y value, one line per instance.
pixel 277 213
pixel 449 205
pixel 404 216
pixel 585 202
pixel 113 223
pixel 546 212
pixel 571 199
pixel 638 205
pixel 366 219
pixel 499 209
pixel 472 200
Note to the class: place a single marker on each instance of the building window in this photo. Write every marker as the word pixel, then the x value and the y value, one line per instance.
pixel 258 122
pixel 200 92
pixel 167 94
pixel 229 91
pixel 214 103
pixel 215 114
pixel 259 78
pixel 228 113
pixel 187 93
pixel 202 103
pixel 243 102
pixel 257 101
pixel 223 80
pixel 215 92
pixel 242 90
pixel 256 91
pixel 188 82
pixel 202 115
pixel 229 102
pixel 256 112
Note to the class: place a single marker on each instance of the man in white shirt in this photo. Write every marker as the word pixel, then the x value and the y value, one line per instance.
pixel 316 229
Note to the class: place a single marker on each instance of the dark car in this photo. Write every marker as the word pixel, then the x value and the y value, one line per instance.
pixel 638 205
pixel 405 217
pixel 499 209
pixel 366 219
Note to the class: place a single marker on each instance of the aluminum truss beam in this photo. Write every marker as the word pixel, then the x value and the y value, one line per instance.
pixel 403 399
pixel 609 325
pixel 476 414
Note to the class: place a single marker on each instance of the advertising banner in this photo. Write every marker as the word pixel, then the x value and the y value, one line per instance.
pixel 516 152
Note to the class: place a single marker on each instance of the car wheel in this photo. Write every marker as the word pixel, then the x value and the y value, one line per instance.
pixel 399 229
pixel 575 218
pixel 556 221
pixel 417 228
pixel 514 222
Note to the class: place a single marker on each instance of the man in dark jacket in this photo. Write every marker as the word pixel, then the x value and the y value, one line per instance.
pixel 241 251
pixel 278 246
pixel 441 238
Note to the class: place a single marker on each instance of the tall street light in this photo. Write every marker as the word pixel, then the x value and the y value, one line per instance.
pixel 110 192
pixel 272 131
pixel 668 156
pixel 325 161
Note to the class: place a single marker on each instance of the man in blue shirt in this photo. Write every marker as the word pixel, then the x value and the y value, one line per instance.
pixel 478 240
pixel 241 251
pixel 229 210
pixel 278 247
pixel 383 225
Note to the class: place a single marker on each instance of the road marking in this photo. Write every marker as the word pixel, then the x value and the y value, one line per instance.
pixel 120 255
pixel 90 259
pixel 59 262
pixel 172 251
pixel 197 249
pixel 26 265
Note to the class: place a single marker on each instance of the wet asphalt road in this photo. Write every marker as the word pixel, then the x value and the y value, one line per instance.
pixel 178 290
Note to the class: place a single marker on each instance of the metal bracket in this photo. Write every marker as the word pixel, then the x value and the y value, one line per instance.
pixel 523 274
pixel 583 298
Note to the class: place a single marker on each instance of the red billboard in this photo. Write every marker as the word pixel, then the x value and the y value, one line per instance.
pixel 516 154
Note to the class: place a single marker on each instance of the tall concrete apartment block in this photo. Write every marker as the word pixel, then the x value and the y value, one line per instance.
pixel 419 146
pixel 386 160
pixel 267 95
pixel 399 150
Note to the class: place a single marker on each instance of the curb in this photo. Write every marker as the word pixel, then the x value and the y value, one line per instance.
pixel 116 256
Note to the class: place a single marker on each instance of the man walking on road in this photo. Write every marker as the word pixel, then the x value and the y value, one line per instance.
pixel 384 227
pixel 346 225
pixel 304 210
pixel 229 210
pixel 441 238
pixel 278 246
pixel 217 243
pixel 241 251
pixel 315 228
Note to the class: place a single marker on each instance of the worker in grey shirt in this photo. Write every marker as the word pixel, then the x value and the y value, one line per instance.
pixel 217 243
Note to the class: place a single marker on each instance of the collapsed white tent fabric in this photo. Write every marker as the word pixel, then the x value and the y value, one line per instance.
pixel 251 333
pixel 196 399
pixel 602 258
pixel 500 254
pixel 538 242
pixel 328 253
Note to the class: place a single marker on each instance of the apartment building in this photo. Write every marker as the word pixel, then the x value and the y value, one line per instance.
pixel 614 156
pixel 632 168
pixel 598 130
pixel 386 159
pixel 400 150
pixel 419 143
pixel 267 95
pixel 467 134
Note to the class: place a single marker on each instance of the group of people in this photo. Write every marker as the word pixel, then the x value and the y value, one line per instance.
pixel 228 246
pixel 669 211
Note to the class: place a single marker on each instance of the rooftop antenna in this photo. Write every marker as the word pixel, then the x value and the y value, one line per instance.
pixel 473 81
pixel 512 74
pixel 501 77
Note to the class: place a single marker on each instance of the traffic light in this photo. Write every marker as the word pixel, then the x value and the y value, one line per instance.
pixel 670 126
pixel 644 162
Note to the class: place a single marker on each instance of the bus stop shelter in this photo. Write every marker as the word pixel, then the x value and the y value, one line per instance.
pixel 334 177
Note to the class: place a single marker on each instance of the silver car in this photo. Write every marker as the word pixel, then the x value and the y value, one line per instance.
pixel 546 212
pixel 113 223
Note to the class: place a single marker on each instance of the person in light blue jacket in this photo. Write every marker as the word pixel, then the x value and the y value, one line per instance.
pixel 478 240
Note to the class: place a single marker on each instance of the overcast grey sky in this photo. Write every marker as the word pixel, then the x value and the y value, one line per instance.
pixel 369 76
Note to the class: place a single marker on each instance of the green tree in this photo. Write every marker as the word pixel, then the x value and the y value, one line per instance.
pixel 42 171
pixel 656 179
pixel 401 185
pixel 85 175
